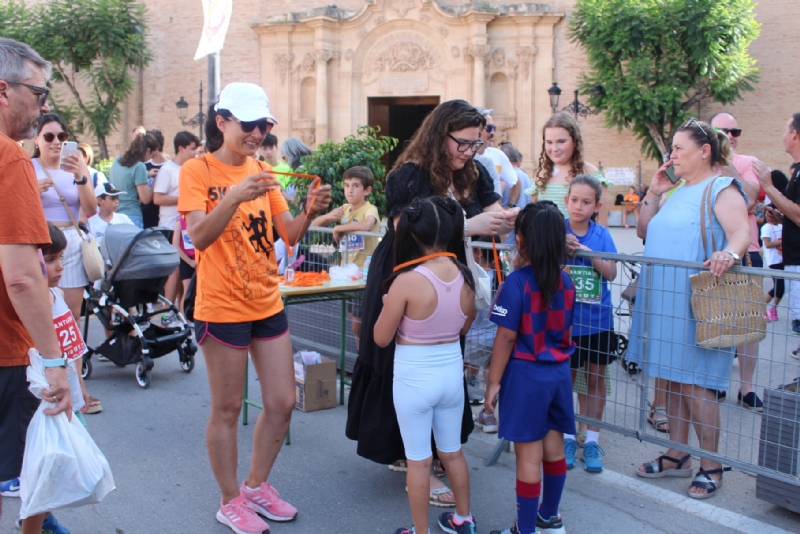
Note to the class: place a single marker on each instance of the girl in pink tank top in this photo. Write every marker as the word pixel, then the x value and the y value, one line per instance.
pixel 430 302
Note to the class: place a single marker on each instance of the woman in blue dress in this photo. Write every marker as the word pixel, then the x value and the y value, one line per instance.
pixel 691 374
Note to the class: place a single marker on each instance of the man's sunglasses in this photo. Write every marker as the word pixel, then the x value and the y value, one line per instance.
pixel 491 128
pixel 463 146
pixel 42 92
pixel 735 132
pixel 49 136
pixel 248 126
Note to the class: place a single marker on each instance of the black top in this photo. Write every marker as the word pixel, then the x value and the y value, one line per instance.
pixel 791 231
pixel 150 210
pixel 371 419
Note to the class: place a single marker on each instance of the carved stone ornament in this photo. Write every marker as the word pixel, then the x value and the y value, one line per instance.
pixel 404 57
pixel 456 51
pixel 308 136
pixel 443 31
pixel 309 63
pixel 498 58
pixel 424 18
pixel 401 6
pixel 283 60
pixel 478 51
pixel 525 54
pixel 379 20
pixel 324 55
pixel 349 54
pixel 362 34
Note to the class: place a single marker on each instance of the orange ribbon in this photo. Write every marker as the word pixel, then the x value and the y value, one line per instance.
pixel 423 258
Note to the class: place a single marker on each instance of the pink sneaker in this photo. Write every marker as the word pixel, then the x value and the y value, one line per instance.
pixel 773 314
pixel 267 501
pixel 238 515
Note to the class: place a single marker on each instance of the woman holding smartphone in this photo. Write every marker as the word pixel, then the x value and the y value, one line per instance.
pixel 71 176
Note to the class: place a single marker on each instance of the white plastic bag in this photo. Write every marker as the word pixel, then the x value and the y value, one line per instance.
pixel 348 272
pixel 62 466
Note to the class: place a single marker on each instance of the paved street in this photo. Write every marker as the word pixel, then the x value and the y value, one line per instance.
pixel 154 440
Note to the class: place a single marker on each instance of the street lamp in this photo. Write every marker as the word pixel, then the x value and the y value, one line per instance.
pixel 555 94
pixel 577 107
pixel 198 120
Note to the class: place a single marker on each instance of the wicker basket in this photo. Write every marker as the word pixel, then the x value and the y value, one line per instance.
pixel 729 310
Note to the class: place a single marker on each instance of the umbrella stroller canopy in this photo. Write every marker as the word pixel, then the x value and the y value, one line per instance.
pixel 136 254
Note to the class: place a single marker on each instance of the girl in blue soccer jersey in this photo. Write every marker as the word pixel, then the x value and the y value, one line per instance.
pixel 593 332
pixel 529 373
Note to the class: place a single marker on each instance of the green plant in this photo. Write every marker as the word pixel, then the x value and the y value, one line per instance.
pixel 330 160
pixel 652 61
pixel 95 47
pixel 104 166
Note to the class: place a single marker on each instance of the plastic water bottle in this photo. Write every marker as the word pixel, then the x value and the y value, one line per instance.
pixel 288 274
pixel 365 270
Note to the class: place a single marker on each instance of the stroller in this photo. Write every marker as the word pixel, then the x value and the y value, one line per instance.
pixel 141 261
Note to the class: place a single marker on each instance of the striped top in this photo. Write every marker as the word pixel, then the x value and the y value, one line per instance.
pixel 557 192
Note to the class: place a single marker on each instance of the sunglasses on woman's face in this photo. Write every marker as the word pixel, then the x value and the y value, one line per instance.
pixel 49 136
pixel 248 126
pixel 491 128
pixel 735 132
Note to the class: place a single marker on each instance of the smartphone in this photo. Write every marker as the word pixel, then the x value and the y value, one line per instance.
pixel 68 148
pixel 670 172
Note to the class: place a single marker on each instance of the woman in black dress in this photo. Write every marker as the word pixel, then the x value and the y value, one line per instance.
pixel 437 161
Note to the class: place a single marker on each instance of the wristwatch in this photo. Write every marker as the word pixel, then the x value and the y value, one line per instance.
pixel 511 205
pixel 54 362
pixel 81 181
pixel 733 255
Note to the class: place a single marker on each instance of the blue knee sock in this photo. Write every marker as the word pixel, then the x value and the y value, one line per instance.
pixel 527 506
pixel 554 476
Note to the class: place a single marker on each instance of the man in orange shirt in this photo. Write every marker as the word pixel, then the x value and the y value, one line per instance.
pixel 25 316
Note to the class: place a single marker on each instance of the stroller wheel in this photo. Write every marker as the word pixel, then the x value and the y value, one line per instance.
pixel 86 368
pixel 187 364
pixel 142 375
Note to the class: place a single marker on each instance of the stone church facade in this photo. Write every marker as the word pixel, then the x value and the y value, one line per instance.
pixel 328 69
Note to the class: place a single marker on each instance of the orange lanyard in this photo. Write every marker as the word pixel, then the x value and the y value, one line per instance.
pixel 497 268
pixel 423 258
pixel 315 184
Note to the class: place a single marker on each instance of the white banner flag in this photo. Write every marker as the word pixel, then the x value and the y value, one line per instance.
pixel 217 17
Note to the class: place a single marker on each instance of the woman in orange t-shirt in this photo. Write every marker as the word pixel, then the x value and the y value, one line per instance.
pixel 633 207
pixel 232 203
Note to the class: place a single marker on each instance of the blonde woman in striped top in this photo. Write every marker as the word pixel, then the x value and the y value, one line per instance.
pixel 561 160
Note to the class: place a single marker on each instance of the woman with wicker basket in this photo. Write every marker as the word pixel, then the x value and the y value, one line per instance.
pixel 673 231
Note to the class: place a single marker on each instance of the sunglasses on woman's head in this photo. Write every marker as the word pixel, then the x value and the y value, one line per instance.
pixel 49 136
pixel 735 132
pixel 693 120
pixel 248 126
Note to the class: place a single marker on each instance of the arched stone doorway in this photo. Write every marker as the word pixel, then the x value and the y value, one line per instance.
pixel 323 68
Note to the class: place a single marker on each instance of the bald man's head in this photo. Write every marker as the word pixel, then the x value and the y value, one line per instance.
pixel 727 123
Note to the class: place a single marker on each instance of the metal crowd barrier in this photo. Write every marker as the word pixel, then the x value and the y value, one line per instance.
pixel 765 443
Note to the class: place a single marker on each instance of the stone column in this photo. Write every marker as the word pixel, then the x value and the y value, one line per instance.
pixel 323 56
pixel 478 52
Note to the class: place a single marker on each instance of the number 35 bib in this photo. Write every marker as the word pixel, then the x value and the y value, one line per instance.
pixel 587 283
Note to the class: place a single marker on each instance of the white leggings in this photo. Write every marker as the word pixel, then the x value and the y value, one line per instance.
pixel 428 391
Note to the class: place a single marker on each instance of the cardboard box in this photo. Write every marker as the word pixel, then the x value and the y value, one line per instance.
pixel 317 391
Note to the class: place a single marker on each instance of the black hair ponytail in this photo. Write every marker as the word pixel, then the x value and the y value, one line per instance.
pixel 431 223
pixel 544 234
pixel 214 137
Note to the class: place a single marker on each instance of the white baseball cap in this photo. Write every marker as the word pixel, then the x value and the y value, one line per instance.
pixel 247 101
pixel 108 189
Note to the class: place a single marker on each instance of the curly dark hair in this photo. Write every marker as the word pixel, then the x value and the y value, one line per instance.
pixel 544 173
pixel 428 149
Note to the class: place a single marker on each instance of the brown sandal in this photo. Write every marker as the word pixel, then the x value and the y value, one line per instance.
pixel 93 406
